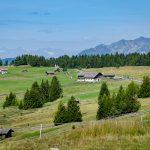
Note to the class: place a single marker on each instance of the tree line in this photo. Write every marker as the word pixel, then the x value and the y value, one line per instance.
pixel 6 63
pixel 85 61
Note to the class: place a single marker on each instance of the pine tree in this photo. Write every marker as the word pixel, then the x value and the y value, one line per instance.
pixel 145 88
pixel 6 63
pixel 107 106
pixel 132 104
pixel 73 111
pixel 120 101
pixel 56 90
pixel 1 62
pixel 35 98
pixel 113 111
pixel 20 105
pixel 45 91
pixel 104 91
pixel 10 100
pixel 27 100
pixel 61 115
pixel 101 101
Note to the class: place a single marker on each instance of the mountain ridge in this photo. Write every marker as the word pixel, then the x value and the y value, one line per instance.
pixel 139 45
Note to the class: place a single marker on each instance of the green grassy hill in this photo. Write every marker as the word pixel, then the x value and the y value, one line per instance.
pixel 126 132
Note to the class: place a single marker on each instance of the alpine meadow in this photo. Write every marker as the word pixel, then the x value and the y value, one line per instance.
pixel 127 131
pixel 74 75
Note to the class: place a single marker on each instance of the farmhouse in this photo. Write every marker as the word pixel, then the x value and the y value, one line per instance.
pixel 50 73
pixel 3 71
pixel 89 76
pixel 5 133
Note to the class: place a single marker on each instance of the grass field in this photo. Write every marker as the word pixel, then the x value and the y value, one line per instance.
pixel 126 132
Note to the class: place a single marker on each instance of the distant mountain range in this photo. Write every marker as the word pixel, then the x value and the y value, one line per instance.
pixel 8 59
pixel 139 45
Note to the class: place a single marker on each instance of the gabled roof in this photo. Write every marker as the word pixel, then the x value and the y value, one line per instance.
pixel 89 74
pixel 5 131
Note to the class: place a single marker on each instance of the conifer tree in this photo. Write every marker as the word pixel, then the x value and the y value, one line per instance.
pixel 33 98
pixel 10 100
pixel 120 101
pixel 145 88
pixel 107 106
pixel 73 111
pixel 104 91
pixel 113 111
pixel 45 91
pixel 101 112
pixel 101 101
pixel 20 105
pixel 132 104
pixel 27 100
pixel 56 90
pixel 61 115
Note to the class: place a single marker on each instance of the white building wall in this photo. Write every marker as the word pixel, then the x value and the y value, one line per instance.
pixel 89 80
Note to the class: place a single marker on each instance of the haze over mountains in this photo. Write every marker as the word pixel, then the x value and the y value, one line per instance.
pixel 139 45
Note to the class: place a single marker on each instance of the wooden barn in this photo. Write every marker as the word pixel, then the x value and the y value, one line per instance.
pixel 5 133
pixel 50 73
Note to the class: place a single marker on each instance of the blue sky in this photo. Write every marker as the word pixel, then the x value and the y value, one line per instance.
pixel 46 27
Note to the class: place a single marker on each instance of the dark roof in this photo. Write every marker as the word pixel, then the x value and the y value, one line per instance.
pixel 109 75
pixel 5 131
pixel 50 72
pixel 89 74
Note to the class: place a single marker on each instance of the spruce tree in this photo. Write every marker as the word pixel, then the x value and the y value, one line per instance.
pixel 104 91
pixel 113 111
pixel 61 115
pixel 20 105
pixel 101 101
pixel 132 103
pixel 10 100
pixel 56 90
pixel 27 100
pixel 145 88
pixel 45 91
pixel 35 98
pixel 73 111
pixel 107 106
pixel 120 101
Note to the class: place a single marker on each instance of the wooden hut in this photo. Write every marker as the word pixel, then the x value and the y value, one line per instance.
pixel 5 133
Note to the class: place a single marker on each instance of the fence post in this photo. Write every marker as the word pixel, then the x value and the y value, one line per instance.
pixel 141 120
pixel 41 131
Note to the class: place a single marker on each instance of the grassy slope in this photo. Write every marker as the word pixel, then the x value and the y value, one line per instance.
pixel 18 82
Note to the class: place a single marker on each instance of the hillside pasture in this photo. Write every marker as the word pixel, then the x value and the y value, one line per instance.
pixel 90 134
